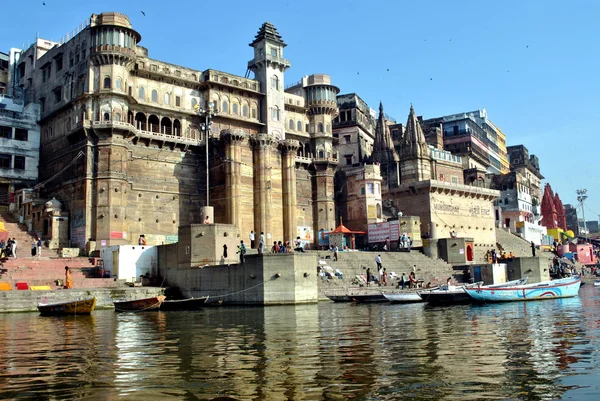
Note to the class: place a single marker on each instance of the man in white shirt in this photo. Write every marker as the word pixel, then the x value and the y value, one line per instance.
pixel 14 247
pixel 378 261
pixel 261 243
pixel 252 239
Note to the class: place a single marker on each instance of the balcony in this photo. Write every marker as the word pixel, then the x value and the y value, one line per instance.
pixel 184 138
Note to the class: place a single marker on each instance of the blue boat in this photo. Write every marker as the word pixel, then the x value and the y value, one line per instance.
pixel 562 288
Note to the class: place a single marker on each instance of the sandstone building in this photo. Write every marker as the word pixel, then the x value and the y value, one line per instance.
pixel 123 147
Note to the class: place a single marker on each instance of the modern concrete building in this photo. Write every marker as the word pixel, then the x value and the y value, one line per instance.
pixel 19 147
pixel 123 146
pixel 571 216
pixel 4 73
pixel 472 134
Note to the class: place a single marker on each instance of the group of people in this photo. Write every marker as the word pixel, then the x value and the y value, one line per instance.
pixel 491 256
pixel 8 249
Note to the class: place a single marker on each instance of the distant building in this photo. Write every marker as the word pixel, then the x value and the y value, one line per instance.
pixel 571 216
pixel 471 134
pixel 19 147
pixel 4 58
pixel 592 226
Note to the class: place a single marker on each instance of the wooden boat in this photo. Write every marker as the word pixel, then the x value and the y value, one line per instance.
pixel 139 305
pixel 358 295
pixel 561 288
pixel 183 304
pixel 403 297
pixel 78 307
pixel 456 295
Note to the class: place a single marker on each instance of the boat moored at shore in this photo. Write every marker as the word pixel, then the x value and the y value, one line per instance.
pixel 561 288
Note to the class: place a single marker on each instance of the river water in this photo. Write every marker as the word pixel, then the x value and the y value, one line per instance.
pixel 542 350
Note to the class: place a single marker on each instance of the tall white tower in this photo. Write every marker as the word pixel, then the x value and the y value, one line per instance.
pixel 268 66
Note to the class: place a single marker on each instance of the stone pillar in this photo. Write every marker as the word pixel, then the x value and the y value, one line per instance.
pixel 233 139
pixel 262 184
pixel 323 194
pixel 288 167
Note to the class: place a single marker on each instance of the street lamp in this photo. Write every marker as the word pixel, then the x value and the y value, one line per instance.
pixel 581 197
pixel 205 126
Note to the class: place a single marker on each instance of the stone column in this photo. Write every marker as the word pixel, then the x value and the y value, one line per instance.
pixel 288 166
pixel 233 139
pixel 323 195
pixel 262 184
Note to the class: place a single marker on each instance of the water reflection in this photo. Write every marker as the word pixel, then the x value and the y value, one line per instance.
pixel 535 351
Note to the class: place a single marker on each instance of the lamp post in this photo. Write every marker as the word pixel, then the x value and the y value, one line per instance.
pixel 581 197
pixel 205 126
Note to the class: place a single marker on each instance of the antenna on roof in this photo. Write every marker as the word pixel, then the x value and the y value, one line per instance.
pixel 247 73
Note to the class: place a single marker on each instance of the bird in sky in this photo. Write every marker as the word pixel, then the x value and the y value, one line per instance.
pixel 43 3
pixel 388 69
pixel 143 13
pixel 527 47
pixel 431 79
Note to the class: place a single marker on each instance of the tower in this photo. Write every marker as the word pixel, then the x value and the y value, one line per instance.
pixel 321 100
pixel 268 66
pixel 384 152
pixel 415 159
pixel 549 214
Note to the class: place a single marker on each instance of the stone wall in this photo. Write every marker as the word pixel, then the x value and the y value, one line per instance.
pixel 270 279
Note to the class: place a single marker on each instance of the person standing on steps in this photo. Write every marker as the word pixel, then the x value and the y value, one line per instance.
pixel 261 243
pixel 378 261
pixel 15 242
pixel 532 248
pixel 368 276
pixel 39 247
pixel 68 278
pixel 33 248
pixel 242 251
pixel 252 242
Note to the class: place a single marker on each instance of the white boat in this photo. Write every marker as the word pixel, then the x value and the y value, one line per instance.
pixel 597 283
pixel 455 295
pixel 402 297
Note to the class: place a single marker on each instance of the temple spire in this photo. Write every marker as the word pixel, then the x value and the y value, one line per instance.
pixel 384 152
pixel 415 154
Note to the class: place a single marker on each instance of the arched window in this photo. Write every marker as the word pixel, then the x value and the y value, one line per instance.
pixel 327 128
pixel 299 127
pixel 275 113
pixel 118 83
pixel 225 107
pixel 106 117
pixel 117 117
pixel 194 103
pixel 234 108
pixel 83 49
pixel 107 83
pixel 362 190
pixel 378 211
pixel 275 82
pixel 321 154
pixel 167 98
pixel 245 111
pixel 320 127
pixel 291 125
pixel 154 96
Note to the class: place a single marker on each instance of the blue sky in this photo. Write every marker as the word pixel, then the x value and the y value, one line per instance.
pixel 532 64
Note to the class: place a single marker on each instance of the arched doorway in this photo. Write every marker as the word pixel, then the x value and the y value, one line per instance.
pixel 130 118
pixel 140 121
pixel 176 128
pixel 165 126
pixel 153 124
pixel 469 253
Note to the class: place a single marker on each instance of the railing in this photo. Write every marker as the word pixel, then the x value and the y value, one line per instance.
pixel 190 137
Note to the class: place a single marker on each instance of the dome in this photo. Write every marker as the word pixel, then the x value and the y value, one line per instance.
pixel 53 205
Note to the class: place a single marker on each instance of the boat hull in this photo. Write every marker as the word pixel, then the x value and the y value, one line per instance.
pixel 183 304
pixel 403 298
pixel 79 307
pixel 454 297
pixel 563 288
pixel 139 305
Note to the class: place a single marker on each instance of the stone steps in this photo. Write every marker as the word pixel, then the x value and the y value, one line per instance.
pixel 24 238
